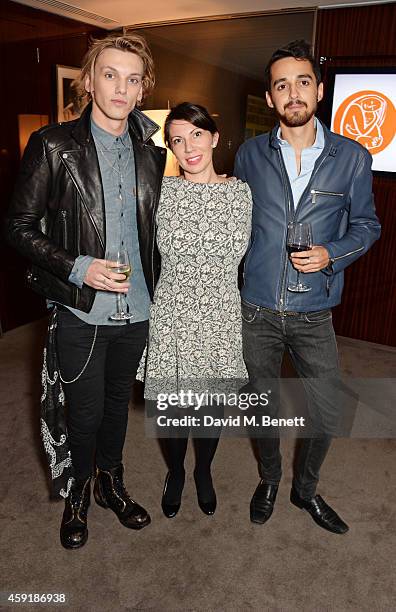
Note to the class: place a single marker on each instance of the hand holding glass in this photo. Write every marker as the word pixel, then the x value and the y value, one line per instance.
pixel 118 261
pixel 299 238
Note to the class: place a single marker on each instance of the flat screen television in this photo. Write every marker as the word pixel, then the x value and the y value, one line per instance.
pixel 360 103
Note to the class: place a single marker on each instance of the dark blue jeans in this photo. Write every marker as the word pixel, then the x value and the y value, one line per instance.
pixel 310 340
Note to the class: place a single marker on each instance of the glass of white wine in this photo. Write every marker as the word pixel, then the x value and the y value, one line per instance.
pixel 117 260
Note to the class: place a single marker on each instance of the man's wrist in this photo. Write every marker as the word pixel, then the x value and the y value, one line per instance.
pixel 79 270
pixel 329 268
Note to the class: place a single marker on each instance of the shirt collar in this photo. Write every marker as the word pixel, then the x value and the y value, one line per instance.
pixel 319 139
pixel 107 139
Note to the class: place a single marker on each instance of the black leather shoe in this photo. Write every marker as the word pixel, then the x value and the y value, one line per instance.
pixel 321 513
pixel 206 494
pixel 262 504
pixel 110 492
pixel 171 507
pixel 73 530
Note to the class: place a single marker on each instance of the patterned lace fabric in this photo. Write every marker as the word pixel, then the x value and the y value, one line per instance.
pixel 195 340
pixel 53 417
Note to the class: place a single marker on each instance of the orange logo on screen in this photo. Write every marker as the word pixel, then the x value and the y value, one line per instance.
pixel 369 117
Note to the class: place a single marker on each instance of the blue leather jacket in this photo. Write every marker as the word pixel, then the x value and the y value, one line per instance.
pixel 337 201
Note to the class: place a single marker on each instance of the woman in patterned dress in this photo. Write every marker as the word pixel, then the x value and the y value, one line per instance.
pixel 195 344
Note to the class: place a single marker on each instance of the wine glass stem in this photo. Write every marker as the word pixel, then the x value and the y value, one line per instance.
pixel 298 278
pixel 119 304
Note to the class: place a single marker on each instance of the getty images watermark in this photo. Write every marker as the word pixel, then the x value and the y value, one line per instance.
pixel 206 402
pixel 347 408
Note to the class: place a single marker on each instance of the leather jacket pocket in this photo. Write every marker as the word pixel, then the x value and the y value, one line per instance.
pixel 249 312
pixel 319 316
pixel 319 196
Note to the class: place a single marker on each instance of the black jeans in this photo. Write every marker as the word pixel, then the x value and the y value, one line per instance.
pixel 97 403
pixel 310 340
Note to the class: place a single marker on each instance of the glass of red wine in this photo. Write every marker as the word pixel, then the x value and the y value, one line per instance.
pixel 299 238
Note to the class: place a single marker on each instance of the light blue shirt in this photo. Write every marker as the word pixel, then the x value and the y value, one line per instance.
pixel 298 182
pixel 115 155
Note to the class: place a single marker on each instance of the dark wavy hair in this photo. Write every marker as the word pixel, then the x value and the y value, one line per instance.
pixel 194 113
pixel 299 49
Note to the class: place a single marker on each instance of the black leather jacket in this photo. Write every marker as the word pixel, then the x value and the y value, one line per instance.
pixel 57 209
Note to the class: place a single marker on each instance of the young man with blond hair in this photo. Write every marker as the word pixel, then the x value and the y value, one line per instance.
pixel 86 187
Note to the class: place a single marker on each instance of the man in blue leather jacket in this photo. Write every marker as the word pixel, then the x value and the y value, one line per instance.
pixel 300 172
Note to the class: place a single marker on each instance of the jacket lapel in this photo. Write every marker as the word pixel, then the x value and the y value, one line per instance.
pixel 82 164
pixel 142 126
pixel 83 168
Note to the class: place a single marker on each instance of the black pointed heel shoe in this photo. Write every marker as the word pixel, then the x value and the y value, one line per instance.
pixel 171 499
pixel 206 494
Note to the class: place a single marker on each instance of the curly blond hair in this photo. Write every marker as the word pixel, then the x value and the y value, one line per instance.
pixel 132 43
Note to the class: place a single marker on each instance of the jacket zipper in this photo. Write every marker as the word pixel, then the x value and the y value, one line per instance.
pixel 155 208
pixel 64 228
pixel 316 192
pixel 347 254
pixel 287 187
pixel 77 290
pixel 152 247
pixel 308 187
pixel 85 206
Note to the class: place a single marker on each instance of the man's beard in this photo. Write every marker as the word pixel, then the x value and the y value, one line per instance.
pixel 296 118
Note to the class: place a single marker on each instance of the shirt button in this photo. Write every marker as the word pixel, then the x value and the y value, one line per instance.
pixel 122 214
pixel 122 242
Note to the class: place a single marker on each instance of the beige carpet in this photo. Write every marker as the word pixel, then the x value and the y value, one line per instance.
pixel 195 562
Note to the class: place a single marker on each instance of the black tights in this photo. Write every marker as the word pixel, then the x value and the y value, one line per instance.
pixel 175 451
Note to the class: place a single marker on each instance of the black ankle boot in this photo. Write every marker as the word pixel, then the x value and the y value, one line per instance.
pixel 74 531
pixel 110 492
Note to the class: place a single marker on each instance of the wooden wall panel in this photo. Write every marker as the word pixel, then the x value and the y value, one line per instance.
pixel 28 77
pixel 180 78
pixel 357 31
pixel 366 36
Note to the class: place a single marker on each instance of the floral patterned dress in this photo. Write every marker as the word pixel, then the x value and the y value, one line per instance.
pixel 195 338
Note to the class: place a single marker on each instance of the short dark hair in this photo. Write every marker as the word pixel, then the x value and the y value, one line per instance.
pixel 299 49
pixel 194 113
